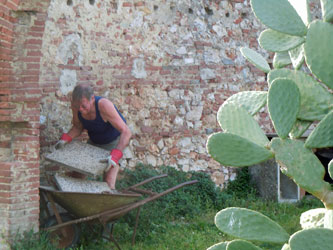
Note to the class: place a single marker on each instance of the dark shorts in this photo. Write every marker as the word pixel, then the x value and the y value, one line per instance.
pixel 108 146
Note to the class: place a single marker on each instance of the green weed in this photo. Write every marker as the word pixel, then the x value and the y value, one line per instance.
pixel 183 219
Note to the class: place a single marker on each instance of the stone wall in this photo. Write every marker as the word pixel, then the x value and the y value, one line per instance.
pixel 167 65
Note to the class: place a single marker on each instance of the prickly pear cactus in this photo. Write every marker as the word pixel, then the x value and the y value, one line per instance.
pixel 313 238
pixel 241 244
pixel 295 100
pixel 239 222
pixel 283 105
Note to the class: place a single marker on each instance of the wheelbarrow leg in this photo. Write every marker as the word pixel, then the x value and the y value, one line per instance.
pixel 136 225
pixel 110 233
pixel 114 241
pixel 56 213
pixel 44 204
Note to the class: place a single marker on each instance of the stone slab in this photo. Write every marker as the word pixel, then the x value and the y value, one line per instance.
pixel 68 184
pixel 81 157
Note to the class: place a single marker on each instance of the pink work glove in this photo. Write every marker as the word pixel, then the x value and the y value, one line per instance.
pixel 115 156
pixel 65 138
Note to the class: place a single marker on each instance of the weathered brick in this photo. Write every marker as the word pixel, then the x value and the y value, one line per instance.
pixel 15 1
pixel 6 23
pixel 35 53
pixel 5 194
pixel 37 29
pixel 4 200
pixel 140 4
pixel 30 59
pixel 4 187
pixel 5 57
pixel 11 5
pixel 33 65
pixel 127 4
pixel 4 9
pixel 5 65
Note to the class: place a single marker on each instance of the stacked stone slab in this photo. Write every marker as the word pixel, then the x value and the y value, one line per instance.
pixel 81 157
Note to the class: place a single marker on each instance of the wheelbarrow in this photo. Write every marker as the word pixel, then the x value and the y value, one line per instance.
pixel 101 208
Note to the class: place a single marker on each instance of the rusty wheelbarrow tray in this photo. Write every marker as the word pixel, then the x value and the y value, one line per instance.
pixel 100 207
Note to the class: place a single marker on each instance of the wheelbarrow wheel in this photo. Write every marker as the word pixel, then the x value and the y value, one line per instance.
pixel 57 237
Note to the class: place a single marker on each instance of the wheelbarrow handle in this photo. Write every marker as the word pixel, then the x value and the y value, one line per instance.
pixel 144 182
pixel 107 215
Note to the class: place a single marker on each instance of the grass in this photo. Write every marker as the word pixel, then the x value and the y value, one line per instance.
pixel 183 219
pixel 200 232
pixel 197 232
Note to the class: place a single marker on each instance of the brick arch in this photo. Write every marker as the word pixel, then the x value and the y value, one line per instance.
pixel 21 32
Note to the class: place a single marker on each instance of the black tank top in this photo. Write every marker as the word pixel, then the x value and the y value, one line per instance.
pixel 100 132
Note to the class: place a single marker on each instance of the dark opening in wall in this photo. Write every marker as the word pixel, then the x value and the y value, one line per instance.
pixel 155 7
pixel 243 14
pixel 325 155
pixel 69 2
pixel 209 11
pixel 227 14
pixel 190 11
pixel 92 2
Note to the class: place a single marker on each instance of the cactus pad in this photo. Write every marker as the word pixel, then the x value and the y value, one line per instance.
pixel 312 218
pixel 219 246
pixel 236 120
pixel 279 42
pixel 250 225
pixel 256 59
pixel 286 247
pixel 312 239
pixel 233 150
pixel 300 164
pixel 322 135
pixel 281 59
pixel 279 15
pixel 327 9
pixel 241 244
pixel 318 51
pixel 283 105
pixel 316 101
pixel 297 56
pixel 252 101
